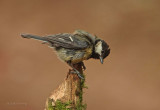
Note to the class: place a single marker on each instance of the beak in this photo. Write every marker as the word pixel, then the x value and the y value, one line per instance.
pixel 101 59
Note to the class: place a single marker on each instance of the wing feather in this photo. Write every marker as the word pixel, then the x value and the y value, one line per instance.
pixel 68 41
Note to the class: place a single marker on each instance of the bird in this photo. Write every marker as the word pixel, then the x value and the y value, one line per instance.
pixel 74 48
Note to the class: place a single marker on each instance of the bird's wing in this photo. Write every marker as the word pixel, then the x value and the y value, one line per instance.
pixel 68 41
pixel 89 36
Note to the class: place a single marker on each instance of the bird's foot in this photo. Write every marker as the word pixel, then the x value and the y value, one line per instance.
pixel 78 73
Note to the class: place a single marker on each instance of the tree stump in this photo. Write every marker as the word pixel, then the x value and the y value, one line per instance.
pixel 69 95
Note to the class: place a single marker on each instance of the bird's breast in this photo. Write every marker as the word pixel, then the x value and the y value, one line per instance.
pixel 75 56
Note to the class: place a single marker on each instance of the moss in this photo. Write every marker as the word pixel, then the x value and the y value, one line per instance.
pixel 50 107
pixel 65 106
pixel 80 105
pixel 68 105
pixel 82 84
pixel 58 105
pixel 62 106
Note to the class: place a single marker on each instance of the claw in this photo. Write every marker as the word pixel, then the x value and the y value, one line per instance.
pixel 75 70
pixel 78 73
pixel 80 76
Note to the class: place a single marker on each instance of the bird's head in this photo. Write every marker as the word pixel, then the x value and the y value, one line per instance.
pixel 101 50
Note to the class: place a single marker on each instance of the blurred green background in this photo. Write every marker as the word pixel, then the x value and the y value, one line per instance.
pixel 128 80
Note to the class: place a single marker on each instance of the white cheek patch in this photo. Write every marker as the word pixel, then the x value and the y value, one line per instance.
pixel 98 47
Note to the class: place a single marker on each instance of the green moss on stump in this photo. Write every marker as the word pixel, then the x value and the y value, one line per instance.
pixel 68 105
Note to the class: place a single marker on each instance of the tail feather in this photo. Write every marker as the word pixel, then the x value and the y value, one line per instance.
pixel 33 36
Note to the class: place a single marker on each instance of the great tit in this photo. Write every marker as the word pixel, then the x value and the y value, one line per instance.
pixel 76 47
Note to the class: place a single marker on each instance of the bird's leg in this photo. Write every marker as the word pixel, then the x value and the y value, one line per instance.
pixel 83 66
pixel 75 70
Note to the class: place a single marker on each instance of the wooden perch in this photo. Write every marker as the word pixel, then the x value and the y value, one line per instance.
pixel 68 96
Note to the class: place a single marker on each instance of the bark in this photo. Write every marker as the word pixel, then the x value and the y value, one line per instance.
pixel 68 96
